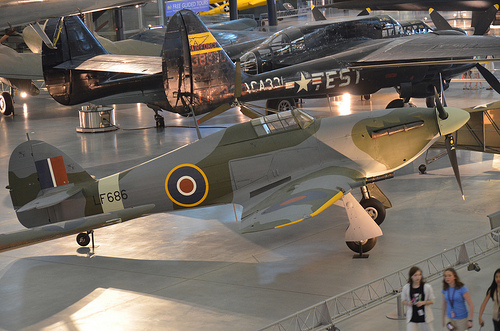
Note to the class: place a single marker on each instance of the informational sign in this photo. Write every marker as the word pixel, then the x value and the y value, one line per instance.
pixel 171 7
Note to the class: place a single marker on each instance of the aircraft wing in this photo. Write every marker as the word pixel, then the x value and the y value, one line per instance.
pixel 48 232
pixel 295 200
pixel 15 13
pixel 432 46
pixel 132 64
pixel 14 65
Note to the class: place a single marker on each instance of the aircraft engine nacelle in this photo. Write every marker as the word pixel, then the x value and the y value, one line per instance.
pixel 420 90
pixel 197 73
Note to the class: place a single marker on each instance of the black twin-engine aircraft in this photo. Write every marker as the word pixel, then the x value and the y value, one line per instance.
pixel 182 79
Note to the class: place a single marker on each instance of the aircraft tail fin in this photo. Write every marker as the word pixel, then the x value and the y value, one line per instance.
pixel 72 39
pixel 43 180
pixel 197 72
pixel 74 43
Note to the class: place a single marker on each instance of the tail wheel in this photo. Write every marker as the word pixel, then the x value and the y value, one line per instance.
pixel 6 104
pixel 366 245
pixel 83 239
pixel 375 209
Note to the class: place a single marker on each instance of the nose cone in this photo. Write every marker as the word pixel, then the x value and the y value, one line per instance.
pixel 456 119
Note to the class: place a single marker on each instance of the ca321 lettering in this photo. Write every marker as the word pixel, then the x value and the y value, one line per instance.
pixel 264 84
pixel 110 197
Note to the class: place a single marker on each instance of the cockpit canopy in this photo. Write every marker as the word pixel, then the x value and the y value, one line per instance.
pixel 316 40
pixel 282 121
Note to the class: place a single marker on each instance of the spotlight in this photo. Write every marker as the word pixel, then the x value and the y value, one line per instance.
pixel 473 266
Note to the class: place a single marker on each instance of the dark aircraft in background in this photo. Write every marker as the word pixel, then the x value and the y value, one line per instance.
pixel 306 42
pixel 476 6
pixel 17 13
pixel 422 5
pixel 18 70
pixel 80 70
pixel 310 41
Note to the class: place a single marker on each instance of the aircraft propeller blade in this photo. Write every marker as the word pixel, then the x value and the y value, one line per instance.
pixel 439 106
pixel 485 21
pixel 449 142
pixel 443 98
pixel 237 80
pixel 217 111
pixel 248 112
pixel 317 15
pixel 452 154
pixel 439 21
pixel 490 78
pixel 365 12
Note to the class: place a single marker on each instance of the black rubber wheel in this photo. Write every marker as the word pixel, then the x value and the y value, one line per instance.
pixel 6 104
pixel 396 103
pixel 375 209
pixel 280 104
pixel 366 245
pixel 366 97
pixel 422 168
pixel 83 239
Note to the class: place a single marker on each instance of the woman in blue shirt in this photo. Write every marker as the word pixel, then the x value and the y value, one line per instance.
pixel 455 295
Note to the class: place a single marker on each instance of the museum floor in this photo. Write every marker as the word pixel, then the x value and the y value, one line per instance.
pixel 192 270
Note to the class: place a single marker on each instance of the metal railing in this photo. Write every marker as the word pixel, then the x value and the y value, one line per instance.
pixel 324 315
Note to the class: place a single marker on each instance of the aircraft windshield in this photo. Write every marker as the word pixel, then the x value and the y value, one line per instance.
pixel 283 121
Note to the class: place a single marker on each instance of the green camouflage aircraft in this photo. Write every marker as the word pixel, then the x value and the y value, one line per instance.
pixel 282 168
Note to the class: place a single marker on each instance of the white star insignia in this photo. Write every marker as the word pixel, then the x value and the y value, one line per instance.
pixel 302 83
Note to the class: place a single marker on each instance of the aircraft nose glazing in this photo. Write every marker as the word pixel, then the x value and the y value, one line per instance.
pixel 456 119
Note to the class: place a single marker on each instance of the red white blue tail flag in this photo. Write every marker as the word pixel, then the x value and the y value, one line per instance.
pixel 52 172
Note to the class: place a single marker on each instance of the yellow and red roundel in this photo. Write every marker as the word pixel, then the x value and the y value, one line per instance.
pixel 186 185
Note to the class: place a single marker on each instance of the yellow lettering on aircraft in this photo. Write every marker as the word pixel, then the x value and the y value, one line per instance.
pixel 200 43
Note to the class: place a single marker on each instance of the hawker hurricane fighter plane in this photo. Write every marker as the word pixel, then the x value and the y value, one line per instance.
pixel 282 168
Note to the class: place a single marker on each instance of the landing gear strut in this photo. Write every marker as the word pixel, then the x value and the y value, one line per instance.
pixel 160 121
pixel 373 207
pixel 377 211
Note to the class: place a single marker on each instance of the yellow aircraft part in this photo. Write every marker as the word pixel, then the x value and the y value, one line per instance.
pixel 203 43
pixel 245 4
pixel 330 202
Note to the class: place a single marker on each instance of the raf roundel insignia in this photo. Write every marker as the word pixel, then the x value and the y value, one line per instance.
pixel 186 185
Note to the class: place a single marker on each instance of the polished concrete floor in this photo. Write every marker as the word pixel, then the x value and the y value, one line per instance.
pixel 192 270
